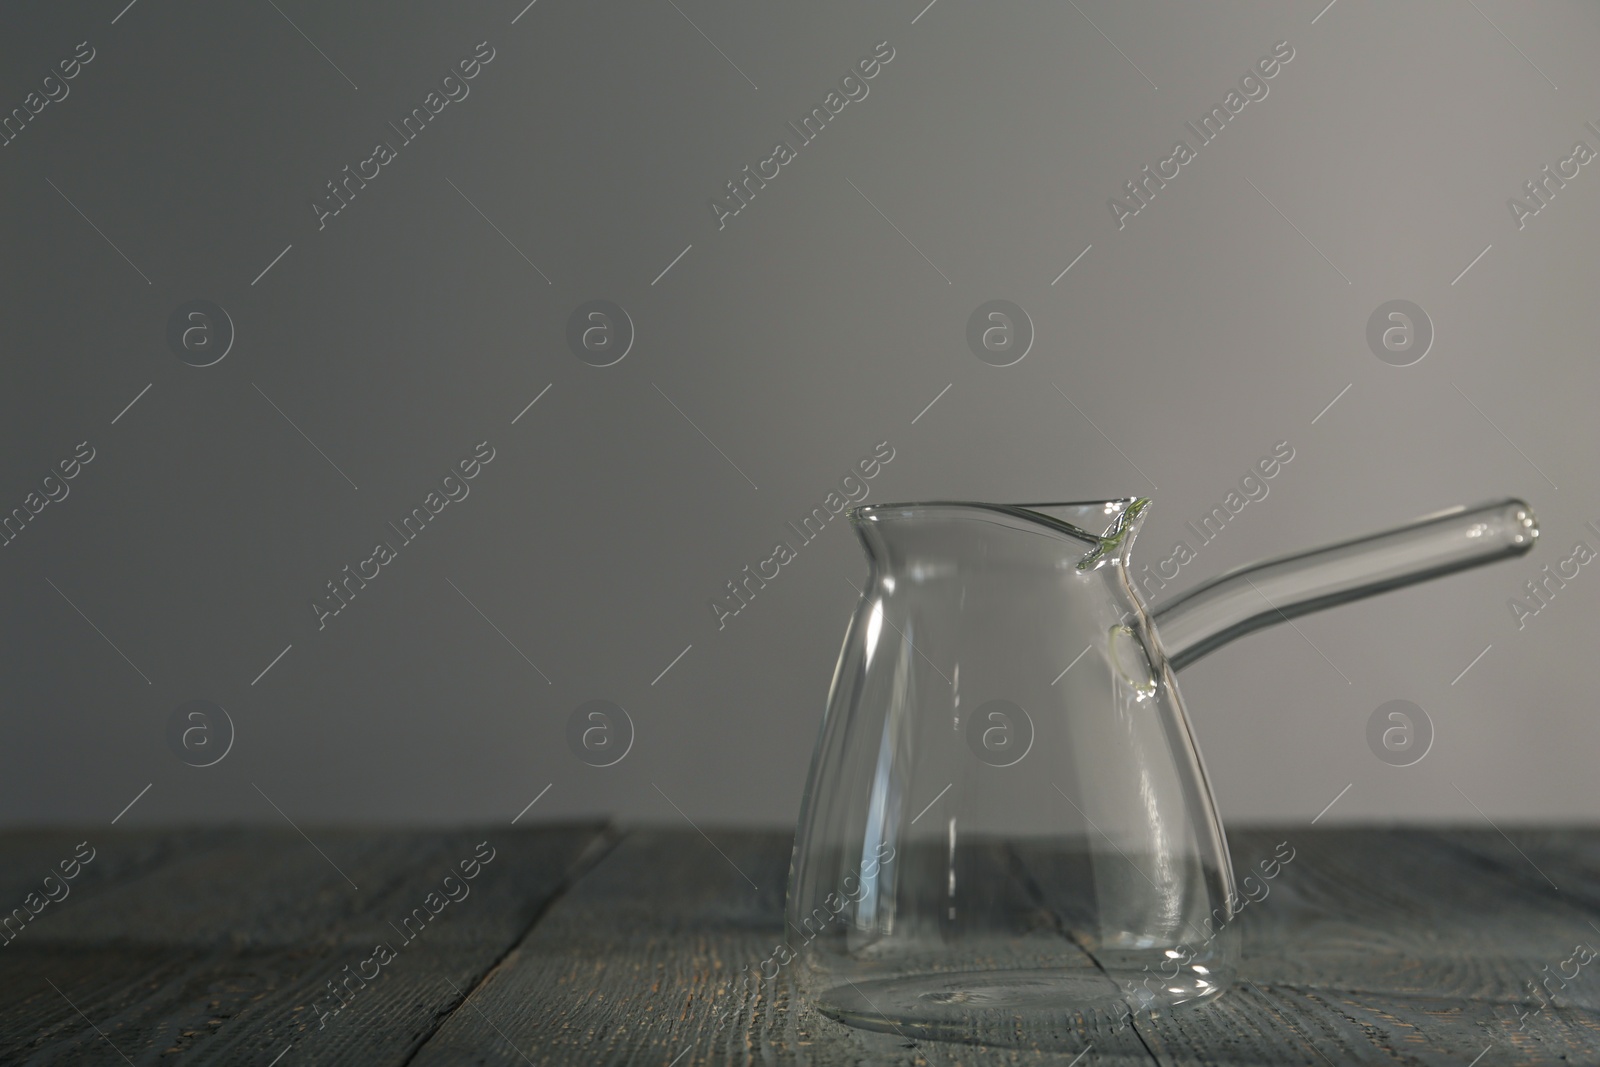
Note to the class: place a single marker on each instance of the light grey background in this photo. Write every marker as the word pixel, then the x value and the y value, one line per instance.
pixel 1222 320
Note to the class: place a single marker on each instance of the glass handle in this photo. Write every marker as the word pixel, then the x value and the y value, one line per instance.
pixel 1253 597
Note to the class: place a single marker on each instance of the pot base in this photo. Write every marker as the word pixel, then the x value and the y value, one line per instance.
pixel 1038 1008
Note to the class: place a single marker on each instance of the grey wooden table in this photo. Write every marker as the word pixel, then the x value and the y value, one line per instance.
pixel 593 945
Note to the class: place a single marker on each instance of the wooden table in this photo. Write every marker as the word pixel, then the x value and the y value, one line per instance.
pixel 593 945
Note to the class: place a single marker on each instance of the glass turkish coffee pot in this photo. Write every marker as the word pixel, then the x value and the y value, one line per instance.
pixel 1007 832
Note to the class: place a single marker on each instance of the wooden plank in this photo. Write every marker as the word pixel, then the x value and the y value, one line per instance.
pixel 1282 1026
pixel 1372 947
pixel 1563 862
pixel 1394 938
pixel 29 857
pixel 1378 946
pixel 1403 912
pixel 640 961
pixel 1386 947
pixel 225 956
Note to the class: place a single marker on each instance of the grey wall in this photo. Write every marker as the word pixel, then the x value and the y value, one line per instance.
pixel 381 348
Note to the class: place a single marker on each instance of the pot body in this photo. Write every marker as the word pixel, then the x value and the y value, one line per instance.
pixel 1007 832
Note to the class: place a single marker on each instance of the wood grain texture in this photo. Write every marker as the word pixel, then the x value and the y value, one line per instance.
pixel 1389 947
pixel 1406 913
pixel 639 963
pixel 583 946
pixel 222 953
pixel 1372 947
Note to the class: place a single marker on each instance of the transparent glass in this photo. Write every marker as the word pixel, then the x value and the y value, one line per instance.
pixel 1007 835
